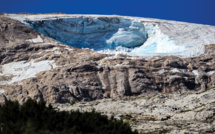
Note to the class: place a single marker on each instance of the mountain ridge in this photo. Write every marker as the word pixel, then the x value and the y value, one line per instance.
pixel 161 93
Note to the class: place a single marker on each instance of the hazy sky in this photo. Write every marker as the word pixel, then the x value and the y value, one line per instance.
pixel 196 11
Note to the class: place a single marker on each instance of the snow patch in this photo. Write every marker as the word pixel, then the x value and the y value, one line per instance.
pixel 197 72
pixel 2 91
pixel 210 73
pixel 173 77
pixel 36 40
pixel 23 70
pixel 70 49
pixel 184 71
pixel 118 65
pixel 100 65
pixel 161 71
pixel 175 70
pixel 56 50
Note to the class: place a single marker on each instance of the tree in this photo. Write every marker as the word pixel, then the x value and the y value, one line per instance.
pixel 35 118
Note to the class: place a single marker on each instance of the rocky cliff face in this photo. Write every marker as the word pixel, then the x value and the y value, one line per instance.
pixel 36 66
pixel 170 92
pixel 162 113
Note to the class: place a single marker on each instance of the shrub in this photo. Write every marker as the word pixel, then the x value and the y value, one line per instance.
pixel 72 102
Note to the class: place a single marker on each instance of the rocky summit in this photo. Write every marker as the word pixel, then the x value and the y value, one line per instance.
pixel 157 74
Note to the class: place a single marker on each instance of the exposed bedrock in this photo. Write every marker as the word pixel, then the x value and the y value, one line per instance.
pixel 33 65
pixel 116 78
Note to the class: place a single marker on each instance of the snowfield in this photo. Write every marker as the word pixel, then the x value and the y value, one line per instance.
pixel 23 70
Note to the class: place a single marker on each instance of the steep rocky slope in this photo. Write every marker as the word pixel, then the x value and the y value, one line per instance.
pixel 33 65
pixel 162 113
pixel 170 92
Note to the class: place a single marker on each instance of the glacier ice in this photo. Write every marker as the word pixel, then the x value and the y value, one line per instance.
pixel 112 35
pixel 94 33
pixel 132 36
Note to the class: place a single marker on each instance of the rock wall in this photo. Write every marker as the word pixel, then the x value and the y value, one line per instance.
pixel 69 73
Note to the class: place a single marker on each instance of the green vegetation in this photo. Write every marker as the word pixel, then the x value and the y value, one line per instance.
pixel 188 110
pixel 72 102
pixel 36 118
pixel 207 90
pixel 164 131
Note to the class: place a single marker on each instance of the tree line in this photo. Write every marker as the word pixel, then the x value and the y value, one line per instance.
pixel 36 118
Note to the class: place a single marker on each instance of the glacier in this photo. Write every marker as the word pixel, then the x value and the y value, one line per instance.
pixel 157 44
pixel 132 36
pixel 93 33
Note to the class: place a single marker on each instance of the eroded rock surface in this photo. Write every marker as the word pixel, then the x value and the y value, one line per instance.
pixel 162 113
pixel 33 65
pixel 160 94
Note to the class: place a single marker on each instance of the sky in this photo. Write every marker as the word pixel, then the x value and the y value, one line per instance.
pixel 194 11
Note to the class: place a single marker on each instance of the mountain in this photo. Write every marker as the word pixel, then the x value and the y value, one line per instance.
pixel 166 69
pixel 104 56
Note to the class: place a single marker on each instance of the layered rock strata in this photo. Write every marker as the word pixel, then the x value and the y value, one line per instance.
pixel 36 66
